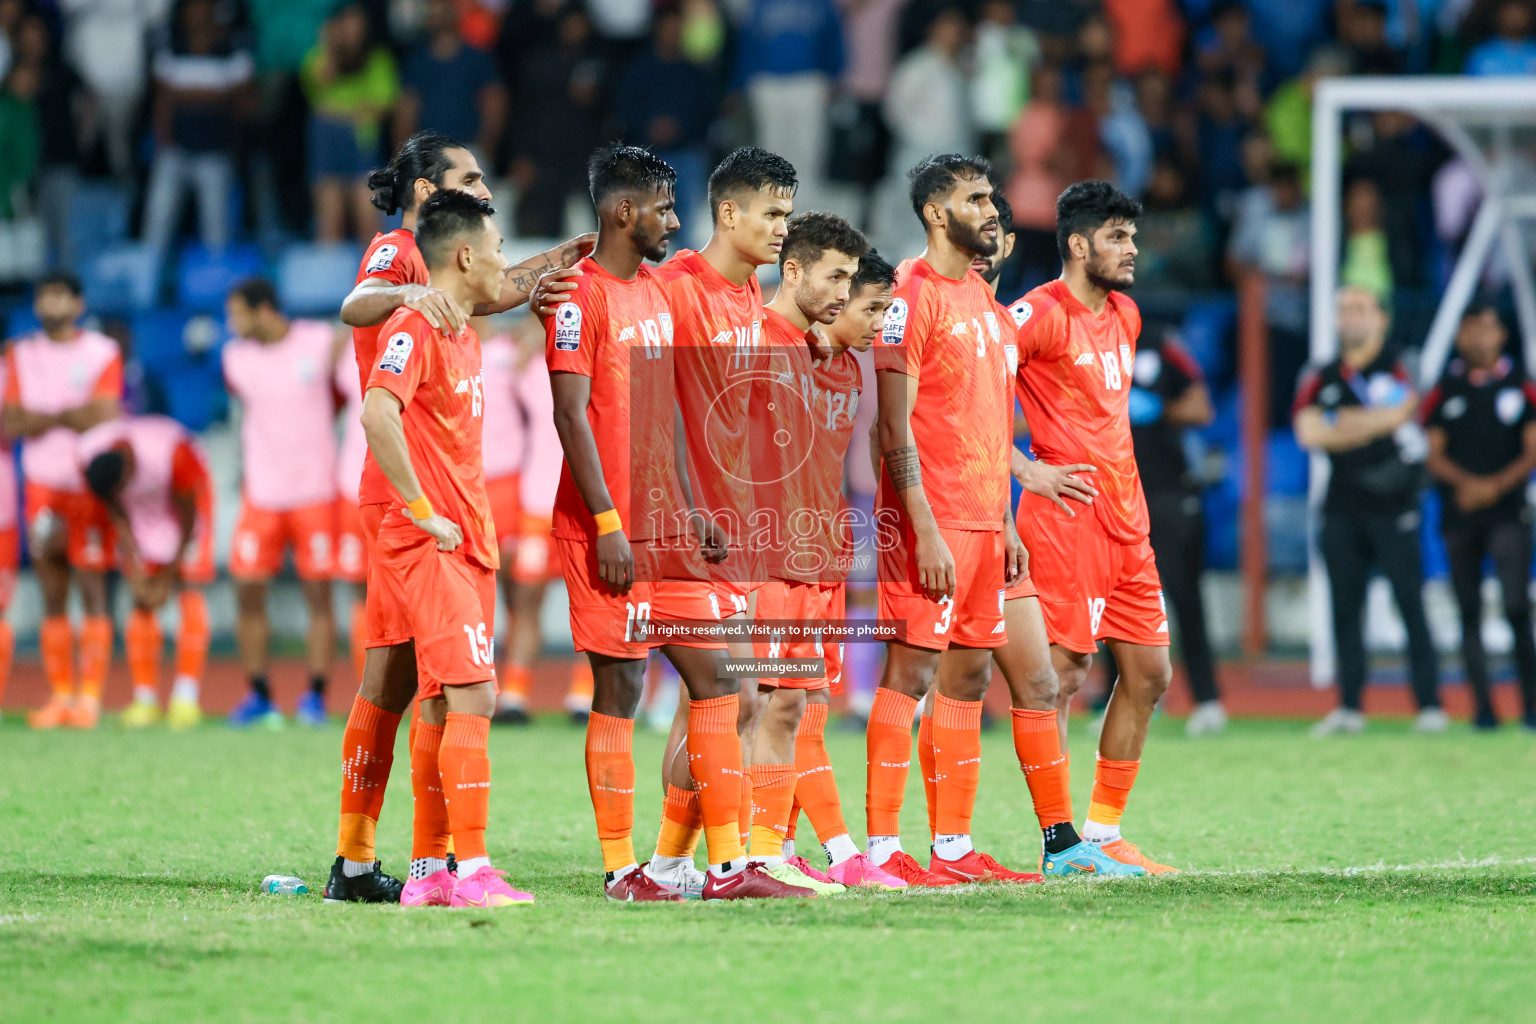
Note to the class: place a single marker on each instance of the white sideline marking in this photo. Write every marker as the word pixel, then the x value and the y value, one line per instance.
pixel 1380 867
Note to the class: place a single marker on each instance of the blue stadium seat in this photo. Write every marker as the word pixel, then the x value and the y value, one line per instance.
pixel 183 372
pixel 98 217
pixel 1288 464
pixel 1206 333
pixel 1436 564
pixel 313 278
pixel 1221 518
pixel 124 278
pixel 203 278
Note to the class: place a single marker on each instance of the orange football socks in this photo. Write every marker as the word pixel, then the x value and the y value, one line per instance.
pixel 429 817
pixel 611 780
pixel 516 683
pixel 925 765
pixel 714 758
pixel 57 639
pixel 889 757
pixel 7 650
pixel 956 773
pixel 816 787
pixel 95 655
pixel 192 642
pixel 1037 743
pixel 680 823
pixel 144 641
pixel 367 752
pixel 466 773
pixel 773 793
pixel 1112 782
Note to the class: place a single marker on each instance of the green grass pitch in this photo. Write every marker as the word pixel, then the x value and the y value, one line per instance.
pixel 1390 877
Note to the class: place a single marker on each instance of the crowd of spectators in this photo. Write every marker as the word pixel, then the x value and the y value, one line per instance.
pixel 242 119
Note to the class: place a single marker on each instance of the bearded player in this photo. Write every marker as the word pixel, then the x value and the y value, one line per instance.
pixel 1025 660
pixel 948 547
pixel 394 276
pixel 1095 572
pixel 717 310
pixel 627 534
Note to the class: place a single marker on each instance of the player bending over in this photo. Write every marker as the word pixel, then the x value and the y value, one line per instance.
pixel 948 547
pixel 628 537
pixel 152 481
pixel 1095 573
pixel 393 276
pixel 435 557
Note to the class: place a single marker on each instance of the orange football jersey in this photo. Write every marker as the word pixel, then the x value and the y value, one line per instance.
pixel 619 333
pixel 718 329
pixel 437 380
pixel 394 258
pixel 1074 384
pixel 948 336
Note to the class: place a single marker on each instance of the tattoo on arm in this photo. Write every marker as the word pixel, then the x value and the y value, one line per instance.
pixel 904 467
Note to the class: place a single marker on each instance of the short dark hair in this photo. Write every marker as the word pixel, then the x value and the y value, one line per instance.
pixel 811 234
pixel 423 155
pixel 873 270
pixel 1479 305
pixel 59 279
pixel 620 168
pixel 936 175
pixel 447 217
pixel 1004 212
pixel 104 474
pixel 256 292
pixel 749 169
pixel 1087 206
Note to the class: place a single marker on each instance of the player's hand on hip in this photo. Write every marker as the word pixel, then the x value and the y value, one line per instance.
pixel 1015 557
pixel 935 566
pixel 445 531
pixel 1057 483
pixel 551 290
pixel 615 561
pixel 440 308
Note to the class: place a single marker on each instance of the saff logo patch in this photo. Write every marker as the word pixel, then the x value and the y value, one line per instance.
pixel 383 258
pixel 895 323
pixel 567 327
pixel 1021 311
pixel 397 352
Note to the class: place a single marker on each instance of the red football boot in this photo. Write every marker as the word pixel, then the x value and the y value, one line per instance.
pixel 978 867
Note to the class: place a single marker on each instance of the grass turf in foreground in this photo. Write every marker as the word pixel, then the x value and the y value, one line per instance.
pixel 129 865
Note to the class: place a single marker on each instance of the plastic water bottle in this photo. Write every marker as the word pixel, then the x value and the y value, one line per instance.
pixel 284 885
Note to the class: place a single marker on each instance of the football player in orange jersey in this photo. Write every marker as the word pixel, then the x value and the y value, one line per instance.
pixel 717 310
pixel 1096 575
pixel 1025 660
pixel 948 547
pixel 629 534
pixel 393 275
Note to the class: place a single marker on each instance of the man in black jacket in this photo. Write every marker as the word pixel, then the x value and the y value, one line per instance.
pixel 1481 422
pixel 1352 409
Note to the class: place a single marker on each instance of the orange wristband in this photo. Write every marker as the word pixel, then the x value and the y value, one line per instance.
pixel 421 508
pixel 608 522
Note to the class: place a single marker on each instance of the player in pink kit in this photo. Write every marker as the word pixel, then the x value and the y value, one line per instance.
pixel 351 558
pixel 60 381
pixel 528 560
pixel 10 549
pixel 280 370
pixel 152 482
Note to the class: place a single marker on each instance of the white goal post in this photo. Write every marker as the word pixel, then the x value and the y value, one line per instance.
pixel 1477 118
